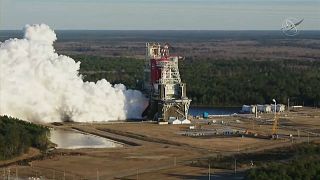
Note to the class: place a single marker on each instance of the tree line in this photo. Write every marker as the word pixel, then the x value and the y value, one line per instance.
pixel 231 82
pixel 17 136
pixel 305 165
pixel 237 82
pixel 299 161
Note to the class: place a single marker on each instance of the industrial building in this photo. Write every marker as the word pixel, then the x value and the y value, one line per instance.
pixel 163 86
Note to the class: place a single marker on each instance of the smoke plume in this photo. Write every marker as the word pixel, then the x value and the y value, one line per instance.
pixel 37 84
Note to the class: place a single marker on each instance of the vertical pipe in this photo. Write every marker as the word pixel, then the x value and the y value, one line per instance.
pixel 209 174
pixel 137 174
pixel 288 105
pixel 235 166
pixel 275 108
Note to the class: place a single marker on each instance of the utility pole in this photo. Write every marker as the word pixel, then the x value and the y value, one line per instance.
pixel 235 166
pixel 275 108
pixel 256 111
pixel 17 173
pixel 9 173
pixel 97 174
pixel 137 174
pixel 288 105
pixel 275 124
pixel 209 174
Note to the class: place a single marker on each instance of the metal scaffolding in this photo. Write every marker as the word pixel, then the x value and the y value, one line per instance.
pixel 166 92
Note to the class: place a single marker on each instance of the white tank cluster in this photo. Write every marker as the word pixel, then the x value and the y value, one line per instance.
pixel 266 108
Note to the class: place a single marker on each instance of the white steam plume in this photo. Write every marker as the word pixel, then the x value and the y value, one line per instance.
pixel 37 84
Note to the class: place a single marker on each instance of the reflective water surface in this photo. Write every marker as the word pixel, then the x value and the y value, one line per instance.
pixel 75 140
pixel 196 111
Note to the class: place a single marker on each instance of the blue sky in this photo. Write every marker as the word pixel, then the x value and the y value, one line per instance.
pixel 159 14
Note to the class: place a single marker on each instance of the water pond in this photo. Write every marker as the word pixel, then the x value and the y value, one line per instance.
pixel 75 140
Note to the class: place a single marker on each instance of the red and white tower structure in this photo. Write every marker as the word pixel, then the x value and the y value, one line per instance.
pixel 167 94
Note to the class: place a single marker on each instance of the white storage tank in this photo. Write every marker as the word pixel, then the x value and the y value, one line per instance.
pixel 260 108
pixel 280 108
pixel 264 108
pixel 176 122
pixel 248 109
pixel 267 108
pixel 245 108
pixel 185 121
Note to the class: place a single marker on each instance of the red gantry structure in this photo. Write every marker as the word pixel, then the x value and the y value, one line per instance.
pixel 166 92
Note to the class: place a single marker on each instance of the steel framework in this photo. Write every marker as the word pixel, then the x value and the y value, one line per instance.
pixel 166 92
